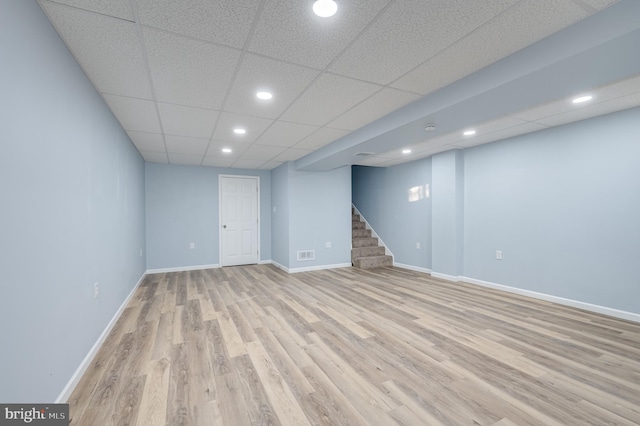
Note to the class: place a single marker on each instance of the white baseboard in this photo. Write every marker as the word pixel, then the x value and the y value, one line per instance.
pixel 265 262
pixel 88 359
pixel 182 269
pixel 309 268
pixel 630 316
pixel 453 278
pixel 412 268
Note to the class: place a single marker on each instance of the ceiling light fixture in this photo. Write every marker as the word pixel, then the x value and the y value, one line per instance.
pixel 406 151
pixel 429 128
pixel 325 8
pixel 581 99
pixel 226 150
pixel 469 133
pixel 239 131
pixel 265 96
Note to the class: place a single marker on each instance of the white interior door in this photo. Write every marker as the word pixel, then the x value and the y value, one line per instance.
pixel 238 220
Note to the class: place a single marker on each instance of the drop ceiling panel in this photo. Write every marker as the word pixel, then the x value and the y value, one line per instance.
pixel 285 81
pixel 187 121
pixel 320 138
pixel 254 126
pixel 224 22
pixel 270 165
pixel 288 30
pixel 409 32
pixel 218 161
pixel 216 147
pixel 246 163
pixel 263 151
pixel 116 8
pixel 292 154
pixel 189 72
pixel 134 114
pixel 144 141
pixel 380 104
pixel 186 160
pixel 108 49
pixel 185 145
pixel 154 157
pixel 521 25
pixel 599 4
pixel 286 134
pixel 327 98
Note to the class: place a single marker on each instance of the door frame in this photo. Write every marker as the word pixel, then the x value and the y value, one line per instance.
pixel 220 177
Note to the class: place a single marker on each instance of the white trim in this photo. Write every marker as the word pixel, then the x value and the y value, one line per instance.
pixel 373 233
pixel 412 268
pixel 257 179
pixel 453 278
pixel 182 268
pixel 88 359
pixel 630 316
pixel 319 267
pixel 279 266
pixel 265 262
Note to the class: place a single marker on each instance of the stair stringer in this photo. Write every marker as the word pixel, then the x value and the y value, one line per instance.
pixel 373 234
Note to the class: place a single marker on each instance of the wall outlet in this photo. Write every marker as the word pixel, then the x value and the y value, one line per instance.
pixel 327 244
pixel 499 254
pixel 96 291
pixel 192 246
pixel 418 246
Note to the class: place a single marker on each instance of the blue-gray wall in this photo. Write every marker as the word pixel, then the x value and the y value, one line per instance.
pixel 396 201
pixel 312 209
pixel 72 191
pixel 561 204
pixel 182 207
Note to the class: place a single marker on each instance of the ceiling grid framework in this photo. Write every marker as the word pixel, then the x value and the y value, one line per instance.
pixel 181 75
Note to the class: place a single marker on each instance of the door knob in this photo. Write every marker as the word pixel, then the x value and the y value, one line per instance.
pixel 224 226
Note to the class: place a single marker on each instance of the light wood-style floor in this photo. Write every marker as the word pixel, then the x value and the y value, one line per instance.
pixel 254 346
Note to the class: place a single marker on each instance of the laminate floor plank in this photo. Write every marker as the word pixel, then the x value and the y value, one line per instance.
pixel 253 345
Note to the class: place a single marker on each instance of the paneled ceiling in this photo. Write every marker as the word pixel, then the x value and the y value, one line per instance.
pixel 181 75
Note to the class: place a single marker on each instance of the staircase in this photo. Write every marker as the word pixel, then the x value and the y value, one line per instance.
pixel 365 251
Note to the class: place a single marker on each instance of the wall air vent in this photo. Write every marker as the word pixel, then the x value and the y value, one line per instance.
pixel 306 255
pixel 363 154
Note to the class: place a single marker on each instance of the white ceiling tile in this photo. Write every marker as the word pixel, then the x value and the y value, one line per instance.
pixel 285 81
pixel 263 151
pixel 380 104
pixel 270 165
pixel 186 160
pixel 189 72
pixel 286 134
pixel 292 154
pixel 134 114
pixel 289 30
pixel 116 8
pixel 147 141
pixel 518 27
pixel 321 137
pixel 154 157
pixel 409 32
pixel 187 121
pixel 226 22
pixel 218 161
pixel 254 126
pixel 247 163
pixel 593 110
pixel 327 98
pixel 186 146
pixel 599 4
pixel 108 49
pixel 216 147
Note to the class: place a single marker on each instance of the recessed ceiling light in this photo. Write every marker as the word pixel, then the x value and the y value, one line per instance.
pixel 429 128
pixel 239 131
pixel 406 151
pixel 469 132
pixel 226 150
pixel 325 8
pixel 581 99
pixel 265 96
